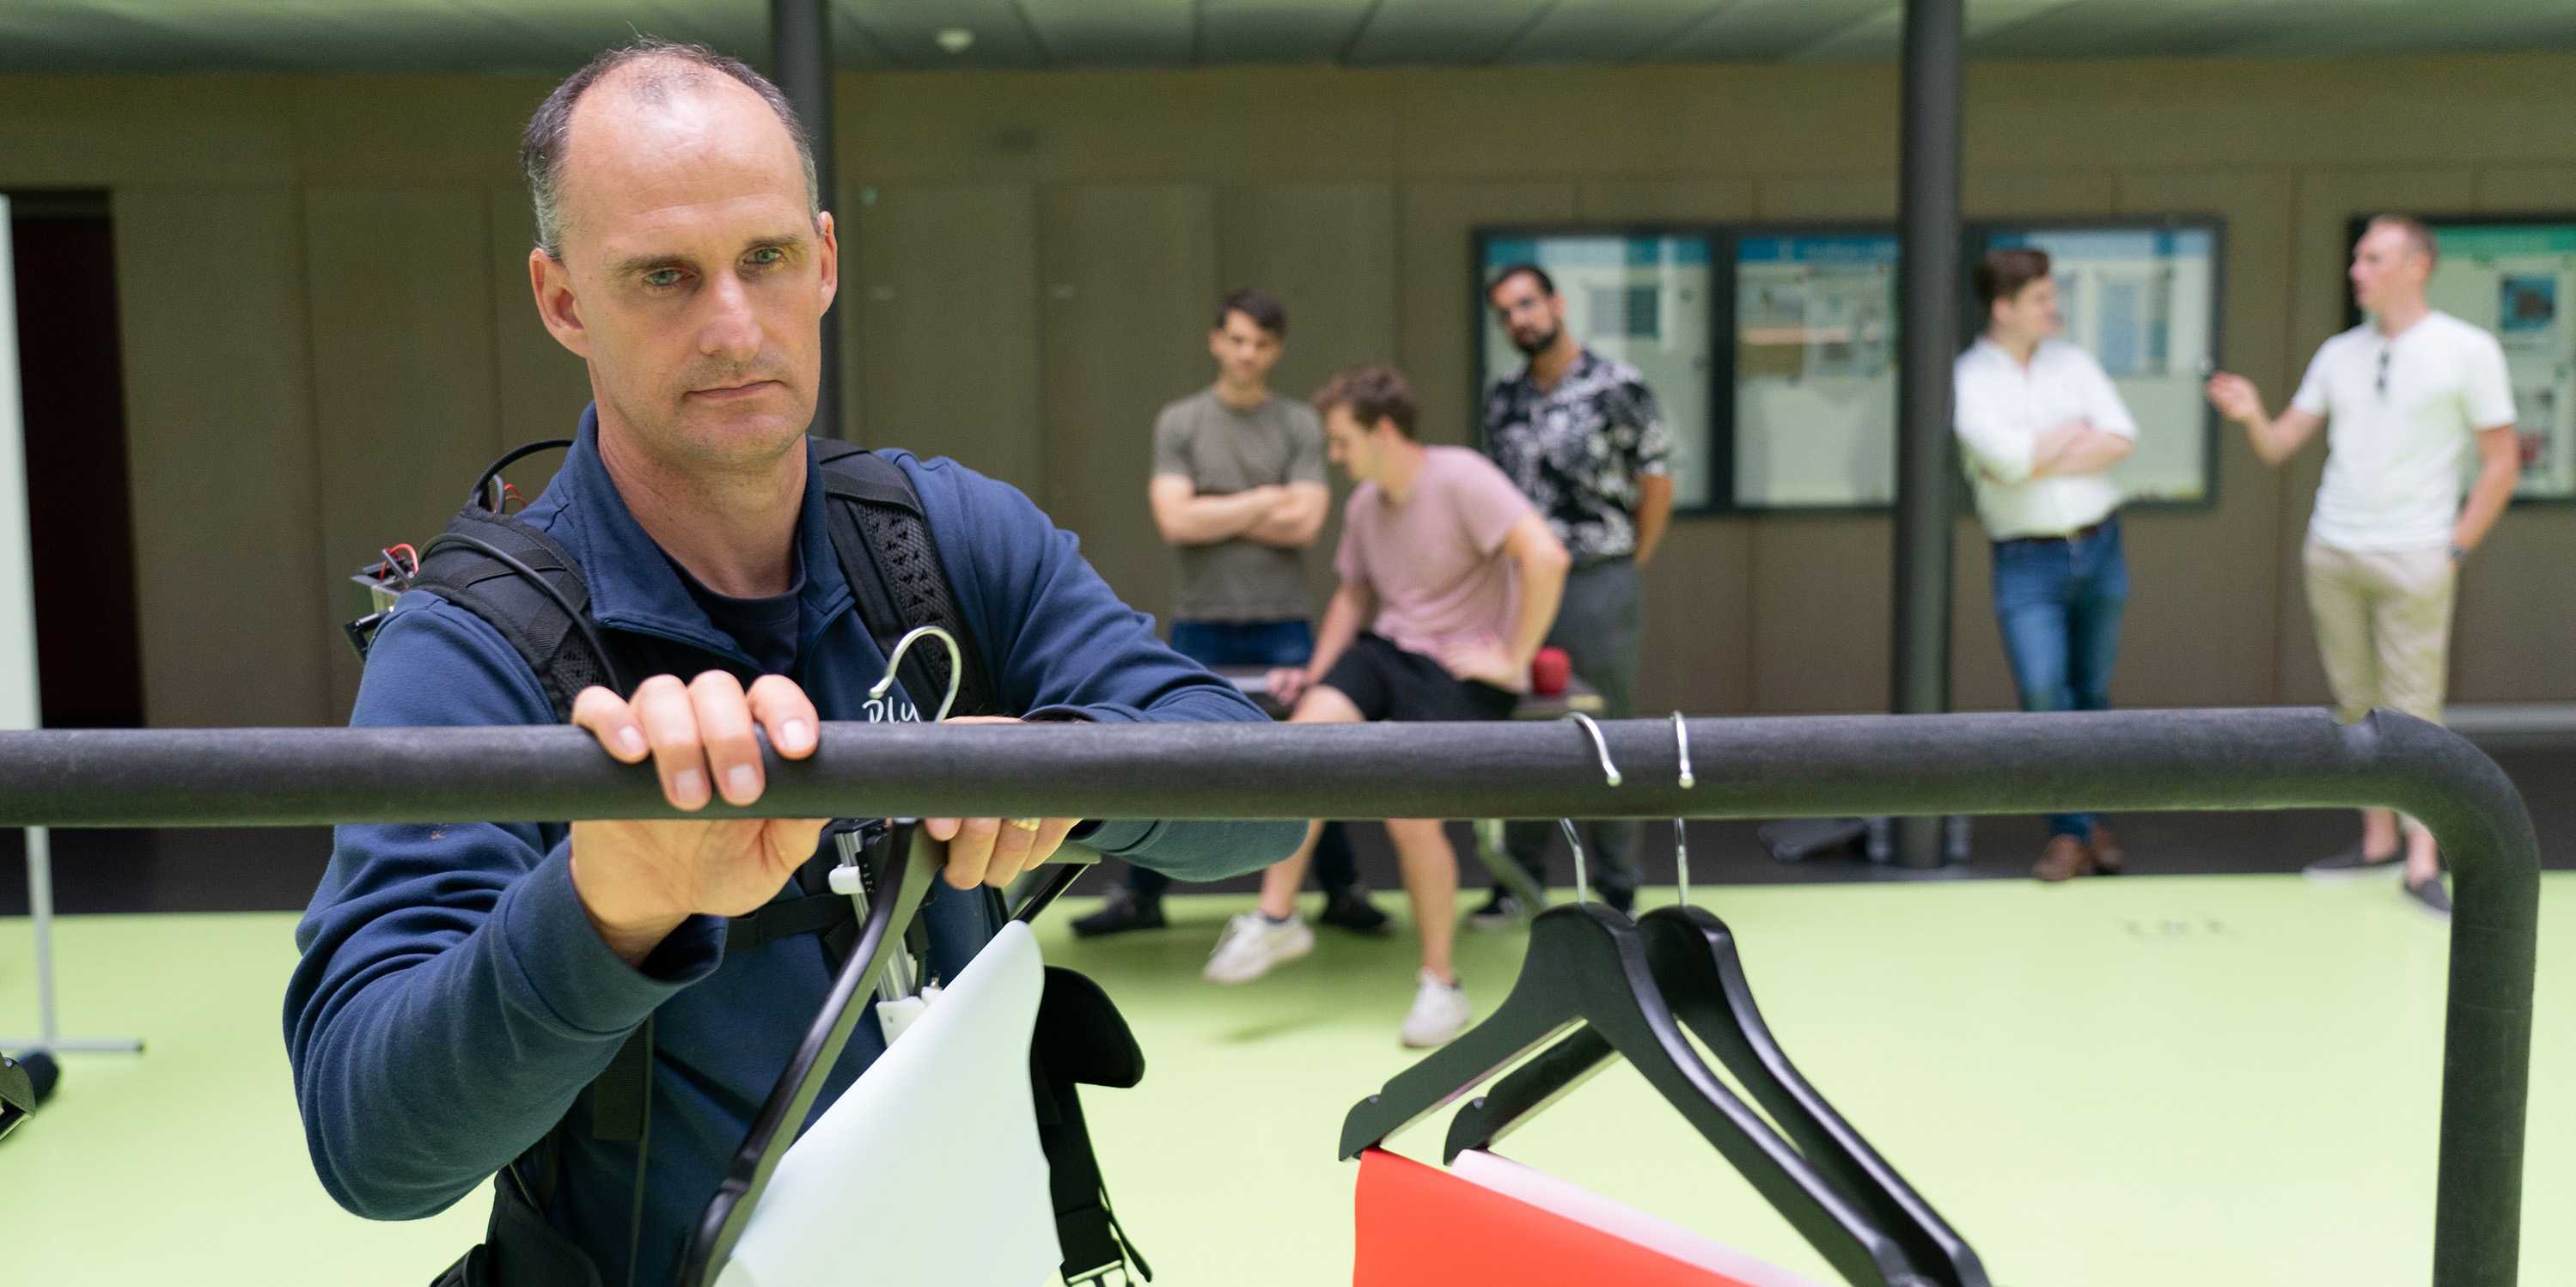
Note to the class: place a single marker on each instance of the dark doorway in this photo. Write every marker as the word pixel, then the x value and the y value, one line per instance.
pixel 72 383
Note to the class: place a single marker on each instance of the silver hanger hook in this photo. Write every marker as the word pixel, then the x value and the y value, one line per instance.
pixel 956 666
pixel 1681 835
pixel 1610 772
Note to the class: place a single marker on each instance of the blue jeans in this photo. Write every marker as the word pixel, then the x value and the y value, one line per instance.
pixel 2059 604
pixel 1255 643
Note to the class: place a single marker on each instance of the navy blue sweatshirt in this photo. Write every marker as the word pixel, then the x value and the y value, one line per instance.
pixel 453 999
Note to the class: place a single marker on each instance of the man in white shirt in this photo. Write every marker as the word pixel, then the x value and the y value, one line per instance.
pixel 2402 396
pixel 2040 426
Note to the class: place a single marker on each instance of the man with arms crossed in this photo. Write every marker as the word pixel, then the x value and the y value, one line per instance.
pixel 2403 397
pixel 1238 489
pixel 2040 426
pixel 1580 436
pixel 1449 581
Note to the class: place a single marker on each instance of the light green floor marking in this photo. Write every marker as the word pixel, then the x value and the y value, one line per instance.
pixel 2223 1080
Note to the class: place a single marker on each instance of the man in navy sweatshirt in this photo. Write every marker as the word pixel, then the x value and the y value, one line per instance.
pixel 462 983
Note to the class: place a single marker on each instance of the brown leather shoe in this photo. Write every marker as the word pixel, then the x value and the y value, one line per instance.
pixel 2065 859
pixel 2107 853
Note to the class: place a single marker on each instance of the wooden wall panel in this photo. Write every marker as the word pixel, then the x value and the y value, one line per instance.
pixel 237 610
pixel 402 369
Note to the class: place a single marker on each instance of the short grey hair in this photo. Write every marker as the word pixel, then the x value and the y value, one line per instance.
pixel 666 66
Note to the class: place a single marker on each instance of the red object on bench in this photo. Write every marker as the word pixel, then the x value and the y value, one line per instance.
pixel 1549 671
pixel 1420 1226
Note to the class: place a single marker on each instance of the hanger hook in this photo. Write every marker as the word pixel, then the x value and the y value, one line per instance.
pixel 956 666
pixel 1609 772
pixel 1681 834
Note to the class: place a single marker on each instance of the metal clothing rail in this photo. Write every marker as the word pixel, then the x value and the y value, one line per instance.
pixel 2129 761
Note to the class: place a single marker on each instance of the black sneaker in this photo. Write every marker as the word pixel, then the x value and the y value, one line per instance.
pixel 2352 862
pixel 1502 909
pixel 2429 897
pixel 1350 909
pixel 1120 912
pixel 1622 901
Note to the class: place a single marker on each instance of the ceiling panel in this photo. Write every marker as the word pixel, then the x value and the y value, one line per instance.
pixel 1606 31
pixel 907 31
pixel 552 35
pixel 1279 31
pixel 1444 32
pixel 1130 33
pixel 1761 30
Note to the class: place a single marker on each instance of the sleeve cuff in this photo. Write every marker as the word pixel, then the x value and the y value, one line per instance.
pixel 569 971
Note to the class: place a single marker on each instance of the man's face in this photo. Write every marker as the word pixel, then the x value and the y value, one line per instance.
pixel 693 276
pixel 2387 268
pixel 1244 351
pixel 1350 444
pixel 2031 313
pixel 1531 316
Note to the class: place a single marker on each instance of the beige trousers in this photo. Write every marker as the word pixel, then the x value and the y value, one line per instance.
pixel 2383 620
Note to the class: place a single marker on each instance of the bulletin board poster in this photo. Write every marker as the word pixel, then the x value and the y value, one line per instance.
pixel 2143 300
pixel 1815 370
pixel 2517 280
pixel 1642 296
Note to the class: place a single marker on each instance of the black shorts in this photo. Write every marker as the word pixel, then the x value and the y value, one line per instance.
pixel 1388 683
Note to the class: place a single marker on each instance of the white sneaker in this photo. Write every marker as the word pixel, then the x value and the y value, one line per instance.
pixel 1440 1012
pixel 1253 943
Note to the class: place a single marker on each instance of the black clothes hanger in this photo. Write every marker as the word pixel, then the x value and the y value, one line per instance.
pixel 1692 956
pixel 911 857
pixel 1588 965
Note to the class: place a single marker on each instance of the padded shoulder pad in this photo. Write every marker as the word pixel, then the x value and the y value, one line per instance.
pixel 459 566
pixel 1081 1036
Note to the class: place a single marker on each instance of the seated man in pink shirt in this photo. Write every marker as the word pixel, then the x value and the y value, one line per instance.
pixel 1450 580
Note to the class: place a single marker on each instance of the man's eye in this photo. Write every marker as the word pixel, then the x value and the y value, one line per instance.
pixel 661 277
pixel 768 255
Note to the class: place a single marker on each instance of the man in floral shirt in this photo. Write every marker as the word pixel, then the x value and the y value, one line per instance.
pixel 1580 435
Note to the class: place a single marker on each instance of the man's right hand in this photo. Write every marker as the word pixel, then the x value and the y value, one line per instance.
pixel 1288 683
pixel 2235 397
pixel 639 880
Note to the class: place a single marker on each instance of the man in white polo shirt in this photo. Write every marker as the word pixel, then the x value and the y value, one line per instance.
pixel 2402 396
pixel 2039 425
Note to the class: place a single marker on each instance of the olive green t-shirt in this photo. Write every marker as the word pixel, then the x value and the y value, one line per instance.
pixel 1223 451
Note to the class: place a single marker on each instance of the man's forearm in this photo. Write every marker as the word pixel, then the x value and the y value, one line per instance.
pixel 2088 452
pixel 1654 515
pixel 1292 524
pixel 2486 504
pixel 1542 586
pixel 1343 618
pixel 1207 520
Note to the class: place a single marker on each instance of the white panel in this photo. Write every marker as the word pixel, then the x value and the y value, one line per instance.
pixel 17 564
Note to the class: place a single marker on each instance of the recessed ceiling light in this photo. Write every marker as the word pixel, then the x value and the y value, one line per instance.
pixel 955 40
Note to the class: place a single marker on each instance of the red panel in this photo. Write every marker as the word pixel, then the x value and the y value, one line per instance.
pixel 1420 1226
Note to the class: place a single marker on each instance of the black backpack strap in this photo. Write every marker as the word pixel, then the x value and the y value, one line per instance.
pixel 545 619
pixel 883 540
pixel 1081 1039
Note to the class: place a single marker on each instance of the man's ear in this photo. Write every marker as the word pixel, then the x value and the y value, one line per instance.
pixel 828 259
pixel 551 282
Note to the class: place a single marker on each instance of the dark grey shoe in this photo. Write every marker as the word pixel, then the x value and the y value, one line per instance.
pixel 1121 912
pixel 2429 897
pixel 2352 862
pixel 1501 911
pixel 1350 909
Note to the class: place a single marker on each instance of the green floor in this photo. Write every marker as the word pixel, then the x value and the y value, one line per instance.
pixel 2221 1080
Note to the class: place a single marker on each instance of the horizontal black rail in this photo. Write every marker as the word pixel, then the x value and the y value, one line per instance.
pixel 1749 768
